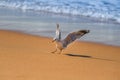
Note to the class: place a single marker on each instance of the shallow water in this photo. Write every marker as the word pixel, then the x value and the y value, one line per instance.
pixel 41 23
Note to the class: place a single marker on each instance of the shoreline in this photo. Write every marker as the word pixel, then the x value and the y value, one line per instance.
pixel 78 40
pixel 45 24
pixel 50 38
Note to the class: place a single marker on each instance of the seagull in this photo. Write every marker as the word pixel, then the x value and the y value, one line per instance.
pixel 71 37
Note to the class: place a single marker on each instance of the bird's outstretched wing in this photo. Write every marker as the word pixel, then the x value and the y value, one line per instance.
pixel 73 36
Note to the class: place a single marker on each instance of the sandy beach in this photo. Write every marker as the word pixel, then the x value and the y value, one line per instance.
pixel 27 57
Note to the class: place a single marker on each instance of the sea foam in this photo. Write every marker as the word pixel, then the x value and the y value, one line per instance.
pixel 101 9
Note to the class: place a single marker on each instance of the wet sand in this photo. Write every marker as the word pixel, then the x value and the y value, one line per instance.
pixel 27 57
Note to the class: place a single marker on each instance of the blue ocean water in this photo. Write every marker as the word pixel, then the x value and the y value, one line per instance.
pixel 100 9
pixel 44 24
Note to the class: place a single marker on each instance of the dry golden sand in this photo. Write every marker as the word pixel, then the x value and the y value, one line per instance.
pixel 26 57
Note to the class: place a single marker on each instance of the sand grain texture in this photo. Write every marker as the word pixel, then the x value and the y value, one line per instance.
pixel 26 57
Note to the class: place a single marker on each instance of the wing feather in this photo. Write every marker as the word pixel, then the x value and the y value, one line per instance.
pixel 71 37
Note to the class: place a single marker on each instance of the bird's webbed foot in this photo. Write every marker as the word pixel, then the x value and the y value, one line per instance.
pixel 54 51
pixel 60 51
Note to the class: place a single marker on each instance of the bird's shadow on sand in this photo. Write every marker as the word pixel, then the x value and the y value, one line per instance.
pixel 87 56
pixel 78 55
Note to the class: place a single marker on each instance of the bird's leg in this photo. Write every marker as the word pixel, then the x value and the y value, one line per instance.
pixel 60 51
pixel 54 51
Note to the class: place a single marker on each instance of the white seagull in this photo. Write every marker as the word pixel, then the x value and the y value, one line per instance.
pixel 71 37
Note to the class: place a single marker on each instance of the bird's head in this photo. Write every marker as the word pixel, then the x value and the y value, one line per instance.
pixel 57 26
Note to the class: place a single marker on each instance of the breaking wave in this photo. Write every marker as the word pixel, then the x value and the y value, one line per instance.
pixel 101 9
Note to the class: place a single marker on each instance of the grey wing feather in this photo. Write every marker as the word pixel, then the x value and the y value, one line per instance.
pixel 73 36
pixel 69 39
